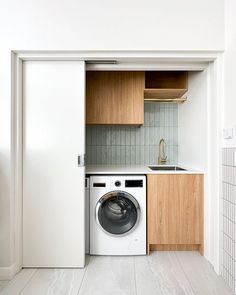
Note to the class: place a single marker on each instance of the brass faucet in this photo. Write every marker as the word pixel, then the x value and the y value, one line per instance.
pixel 162 158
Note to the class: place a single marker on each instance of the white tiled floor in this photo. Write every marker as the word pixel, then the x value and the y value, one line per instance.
pixel 161 273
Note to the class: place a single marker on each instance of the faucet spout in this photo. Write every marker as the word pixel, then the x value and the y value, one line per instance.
pixel 162 158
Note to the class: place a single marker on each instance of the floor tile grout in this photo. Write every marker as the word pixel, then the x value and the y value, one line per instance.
pixel 86 268
pixel 29 280
pixel 182 268
pixel 154 277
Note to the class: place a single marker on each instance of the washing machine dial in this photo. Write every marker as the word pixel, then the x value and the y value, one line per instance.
pixel 118 183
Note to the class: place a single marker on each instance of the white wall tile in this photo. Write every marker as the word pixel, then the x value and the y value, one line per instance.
pixel 229 218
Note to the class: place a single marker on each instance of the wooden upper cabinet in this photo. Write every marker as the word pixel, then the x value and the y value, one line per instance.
pixel 175 209
pixel 115 97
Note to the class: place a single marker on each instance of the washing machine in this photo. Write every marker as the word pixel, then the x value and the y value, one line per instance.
pixel 118 215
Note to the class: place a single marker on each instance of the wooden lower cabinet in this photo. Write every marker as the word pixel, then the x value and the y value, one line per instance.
pixel 175 212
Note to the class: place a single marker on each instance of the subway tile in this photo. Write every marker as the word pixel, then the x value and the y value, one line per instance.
pixel 118 155
pixel 151 136
pixel 175 115
pixel 88 155
pixel 122 135
pixel 175 152
pixel 162 133
pixel 132 135
pixel 224 174
pixel 132 154
pixel 140 144
pixel 162 115
pixel 122 155
pixel 229 217
pixel 117 136
pixel 167 115
pixel 142 135
pixel 109 155
pixel 99 136
pixel 99 154
pixel 137 155
pixel 156 136
pixel 113 136
pixel 224 152
pixel 157 115
pixel 171 117
pixel 94 154
pixel 108 136
pixel 93 134
pixel 152 115
pixel 103 135
pixel 113 154
pixel 230 156
pixel 137 136
pixel 146 154
pixel 142 155
pixel 146 136
pixel 88 136
pixel 128 154
pixel 175 135
pixel 104 155
pixel 127 136
pixel 151 155
pixel 147 108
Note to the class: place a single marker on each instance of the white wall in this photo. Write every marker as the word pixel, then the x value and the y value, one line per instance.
pixel 192 123
pixel 199 148
pixel 90 24
pixel 229 114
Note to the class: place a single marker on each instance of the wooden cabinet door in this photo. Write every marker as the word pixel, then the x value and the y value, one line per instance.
pixel 115 97
pixel 175 209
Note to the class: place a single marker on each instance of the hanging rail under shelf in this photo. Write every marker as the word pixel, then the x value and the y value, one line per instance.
pixel 166 100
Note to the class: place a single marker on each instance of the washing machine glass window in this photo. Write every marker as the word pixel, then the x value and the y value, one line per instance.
pixel 117 213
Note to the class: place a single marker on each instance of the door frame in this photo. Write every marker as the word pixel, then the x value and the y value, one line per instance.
pixel 128 60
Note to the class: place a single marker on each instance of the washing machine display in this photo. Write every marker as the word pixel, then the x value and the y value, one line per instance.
pixel 117 213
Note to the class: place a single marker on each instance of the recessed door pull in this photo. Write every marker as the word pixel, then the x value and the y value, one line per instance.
pixel 80 160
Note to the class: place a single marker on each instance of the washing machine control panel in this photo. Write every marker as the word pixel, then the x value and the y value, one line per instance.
pixel 134 183
pixel 138 183
pixel 117 183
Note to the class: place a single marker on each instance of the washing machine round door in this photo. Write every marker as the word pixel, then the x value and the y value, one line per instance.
pixel 117 213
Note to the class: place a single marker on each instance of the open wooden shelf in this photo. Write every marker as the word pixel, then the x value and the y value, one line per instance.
pixel 165 86
pixel 162 94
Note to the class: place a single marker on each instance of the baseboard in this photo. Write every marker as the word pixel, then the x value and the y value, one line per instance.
pixel 177 247
pixel 7 273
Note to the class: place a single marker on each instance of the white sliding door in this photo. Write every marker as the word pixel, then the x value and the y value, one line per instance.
pixel 53 183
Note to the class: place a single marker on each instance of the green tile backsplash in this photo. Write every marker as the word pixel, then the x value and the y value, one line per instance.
pixel 135 145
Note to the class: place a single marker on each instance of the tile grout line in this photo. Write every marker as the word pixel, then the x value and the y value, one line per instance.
pixel 153 273
pixel 83 276
pixel 29 280
pixel 181 266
